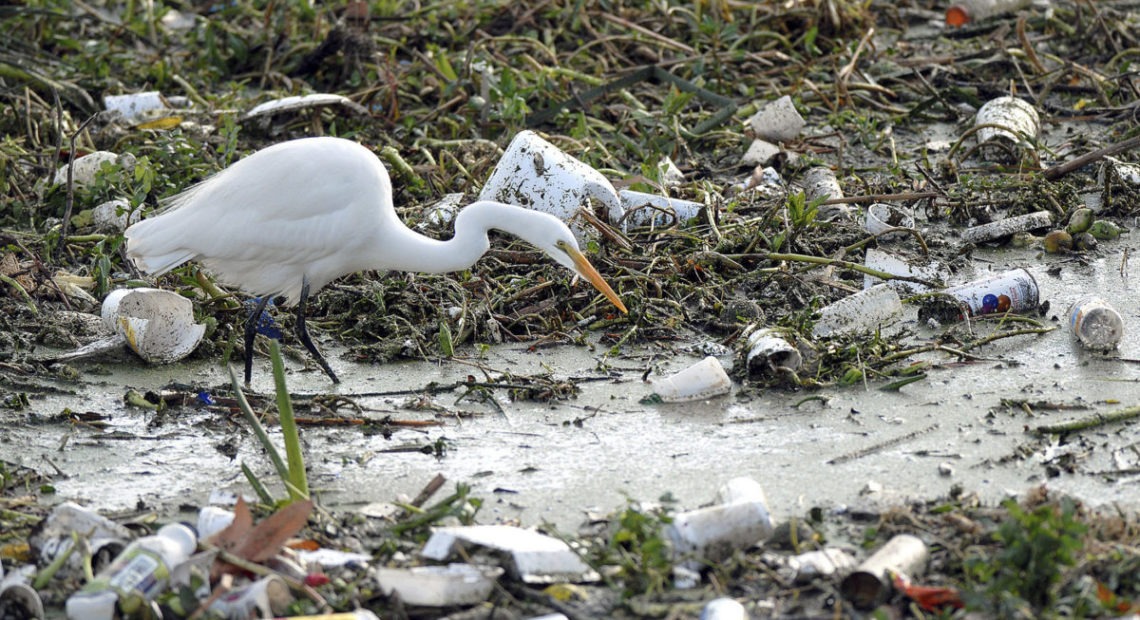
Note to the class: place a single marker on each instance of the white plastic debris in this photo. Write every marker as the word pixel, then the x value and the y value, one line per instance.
pixel 444 211
pixel 114 215
pixel 17 598
pixel 820 183
pixel 764 181
pixel 704 379
pixel 138 107
pixel 882 217
pixel 670 174
pixel 1014 120
pixel 157 325
pixel 304 102
pixel 777 121
pixel 85 167
pixel 913 267
pixel 820 563
pixel 1007 226
pixel 862 312
pixel 723 609
pixel 759 153
pixel 643 209
pixel 268 597
pixel 535 557
pixel 213 519
pixel 715 532
pixel 535 174
pixel 769 351
pixel 439 586
pixel 53 536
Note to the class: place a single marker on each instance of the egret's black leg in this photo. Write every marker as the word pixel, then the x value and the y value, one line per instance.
pixel 303 332
pixel 250 333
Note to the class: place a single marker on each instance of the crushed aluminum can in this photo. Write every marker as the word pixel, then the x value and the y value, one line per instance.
pixel 820 563
pixel 439 586
pixel 1010 291
pixel 705 379
pixel 770 352
pixel 870 582
pixel 862 312
pixel 535 174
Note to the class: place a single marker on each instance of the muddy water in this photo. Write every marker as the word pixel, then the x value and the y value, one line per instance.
pixel 555 461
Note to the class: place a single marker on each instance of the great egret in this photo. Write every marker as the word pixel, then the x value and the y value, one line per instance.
pixel 293 217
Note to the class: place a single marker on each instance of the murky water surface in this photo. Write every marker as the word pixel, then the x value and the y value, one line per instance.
pixel 556 461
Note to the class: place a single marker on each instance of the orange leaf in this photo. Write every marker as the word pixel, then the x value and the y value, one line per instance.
pixel 267 537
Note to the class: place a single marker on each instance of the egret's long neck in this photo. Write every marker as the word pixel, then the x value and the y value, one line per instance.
pixel 406 250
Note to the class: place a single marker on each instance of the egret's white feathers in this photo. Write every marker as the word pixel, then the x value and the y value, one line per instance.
pixel 322 208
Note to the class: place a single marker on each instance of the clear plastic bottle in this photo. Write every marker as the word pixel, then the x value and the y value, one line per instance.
pixel 139 574
pixel 1096 323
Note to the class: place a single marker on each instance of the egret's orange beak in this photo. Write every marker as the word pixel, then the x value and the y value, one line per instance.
pixel 587 271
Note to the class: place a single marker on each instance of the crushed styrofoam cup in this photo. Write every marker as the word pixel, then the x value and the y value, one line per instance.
pixel 862 312
pixel 138 107
pixel 882 217
pixel 643 209
pixel 1012 119
pixel 439 586
pixel 704 379
pixel 777 121
pixel 820 183
pixel 535 174
pixel 535 557
pixel 670 174
pixel 759 153
pixel 158 325
pixel 443 212
pixel 114 215
pixel 85 168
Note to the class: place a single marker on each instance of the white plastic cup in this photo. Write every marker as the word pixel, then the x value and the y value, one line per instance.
pixel 213 519
pixel 1095 323
pixel 704 379
pixel 535 174
pixel 882 217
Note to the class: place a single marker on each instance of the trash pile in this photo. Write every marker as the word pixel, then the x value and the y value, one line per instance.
pixel 801 196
